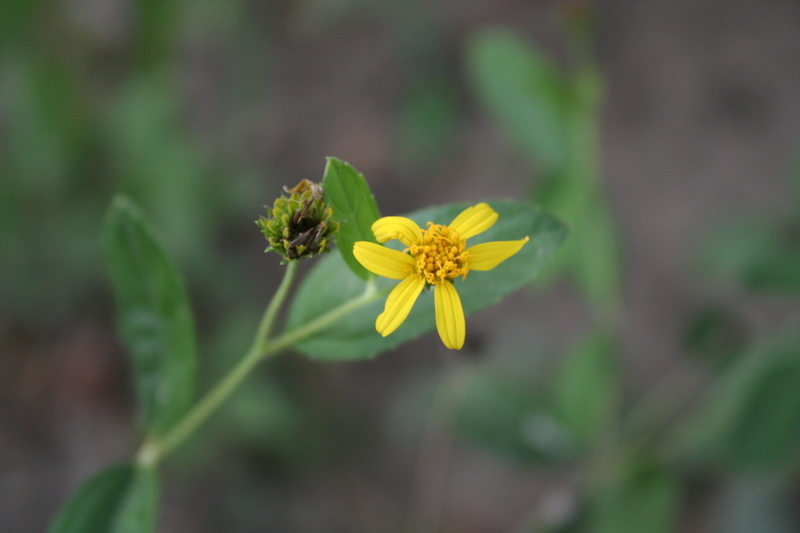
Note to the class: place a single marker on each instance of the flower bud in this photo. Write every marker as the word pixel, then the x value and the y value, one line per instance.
pixel 299 226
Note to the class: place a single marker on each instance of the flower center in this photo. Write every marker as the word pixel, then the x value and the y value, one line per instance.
pixel 441 254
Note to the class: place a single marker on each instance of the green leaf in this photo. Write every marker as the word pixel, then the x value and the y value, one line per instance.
pixel 119 499
pixel 524 91
pixel 154 316
pixel 646 503
pixel 751 418
pixel 354 208
pixel 330 284
pixel 587 391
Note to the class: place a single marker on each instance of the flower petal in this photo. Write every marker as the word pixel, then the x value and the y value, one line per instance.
pixel 449 316
pixel 402 228
pixel 474 220
pixel 383 261
pixel 488 255
pixel 399 304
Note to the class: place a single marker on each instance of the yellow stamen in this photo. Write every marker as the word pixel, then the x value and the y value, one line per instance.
pixel 440 254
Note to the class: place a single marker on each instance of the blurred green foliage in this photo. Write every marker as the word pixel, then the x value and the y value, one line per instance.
pixel 751 417
pixel 79 127
pixel 119 499
pixel 628 455
pixel 554 120
pixel 644 503
pixel 587 393
pixel 89 109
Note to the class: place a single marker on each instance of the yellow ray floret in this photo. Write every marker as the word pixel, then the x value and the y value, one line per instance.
pixel 450 320
pixel 383 261
pixel 399 304
pixel 434 256
pixel 474 220
pixel 401 228
pixel 488 255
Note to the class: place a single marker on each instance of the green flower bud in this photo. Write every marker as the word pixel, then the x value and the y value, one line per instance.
pixel 299 226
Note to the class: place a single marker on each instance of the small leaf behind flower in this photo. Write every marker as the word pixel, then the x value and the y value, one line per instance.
pixel 154 316
pixel 331 283
pixel 119 499
pixel 524 91
pixel 354 208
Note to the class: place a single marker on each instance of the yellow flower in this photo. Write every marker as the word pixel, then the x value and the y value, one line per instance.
pixel 434 256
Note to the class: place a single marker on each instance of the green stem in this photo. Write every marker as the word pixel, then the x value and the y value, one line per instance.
pixel 290 338
pixel 156 449
pixel 265 327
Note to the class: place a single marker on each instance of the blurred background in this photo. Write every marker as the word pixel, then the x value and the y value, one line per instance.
pixel 650 382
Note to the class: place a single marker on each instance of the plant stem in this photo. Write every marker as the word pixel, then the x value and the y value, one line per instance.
pixel 265 327
pixel 290 338
pixel 155 449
